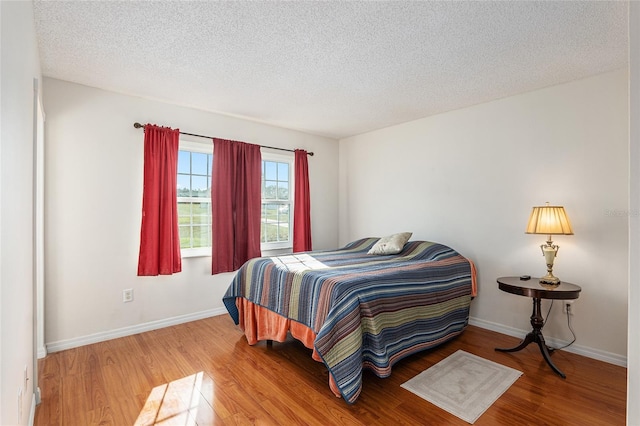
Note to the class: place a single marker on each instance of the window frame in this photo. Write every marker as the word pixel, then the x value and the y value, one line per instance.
pixel 204 148
pixel 268 155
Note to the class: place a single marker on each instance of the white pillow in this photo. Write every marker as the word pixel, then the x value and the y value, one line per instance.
pixel 391 244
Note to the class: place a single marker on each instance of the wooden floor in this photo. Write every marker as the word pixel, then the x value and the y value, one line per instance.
pixel 204 373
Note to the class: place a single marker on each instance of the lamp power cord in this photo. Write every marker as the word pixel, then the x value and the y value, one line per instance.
pixel 568 307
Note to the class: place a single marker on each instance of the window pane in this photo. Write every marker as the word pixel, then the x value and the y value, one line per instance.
pixel 270 189
pixel 201 219
pixel 262 220
pixel 201 236
pixel 283 190
pixel 270 170
pixel 271 233
pixel 283 171
pixel 270 212
pixel 200 186
pixel 201 208
pixel 183 185
pixel 199 163
pixel 184 214
pixel 283 231
pixel 184 162
pixel 185 236
pixel 184 209
pixel 283 211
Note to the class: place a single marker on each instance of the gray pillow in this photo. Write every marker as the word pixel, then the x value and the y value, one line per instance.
pixel 390 244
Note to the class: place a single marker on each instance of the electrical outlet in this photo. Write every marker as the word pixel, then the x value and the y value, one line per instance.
pixel 572 307
pixel 127 295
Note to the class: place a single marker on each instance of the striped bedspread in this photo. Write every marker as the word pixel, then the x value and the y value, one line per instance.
pixel 367 311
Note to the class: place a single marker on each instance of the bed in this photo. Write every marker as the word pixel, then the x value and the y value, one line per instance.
pixel 355 310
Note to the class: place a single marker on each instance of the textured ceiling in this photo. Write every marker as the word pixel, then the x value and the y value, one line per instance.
pixel 335 68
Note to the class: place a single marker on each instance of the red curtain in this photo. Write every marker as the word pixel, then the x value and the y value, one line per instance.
pixel 302 204
pixel 159 237
pixel 235 204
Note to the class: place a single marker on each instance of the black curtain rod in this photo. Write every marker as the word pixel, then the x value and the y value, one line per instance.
pixel 141 126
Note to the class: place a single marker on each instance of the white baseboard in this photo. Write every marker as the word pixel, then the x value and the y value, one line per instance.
pixel 609 357
pixel 42 352
pixel 62 345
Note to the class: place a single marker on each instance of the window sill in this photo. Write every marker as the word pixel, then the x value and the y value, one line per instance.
pixel 199 252
pixel 277 251
pixel 206 252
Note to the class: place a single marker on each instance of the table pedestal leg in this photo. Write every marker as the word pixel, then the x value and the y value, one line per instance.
pixel 536 336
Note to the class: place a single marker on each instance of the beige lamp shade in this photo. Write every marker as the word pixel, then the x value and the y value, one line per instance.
pixel 549 220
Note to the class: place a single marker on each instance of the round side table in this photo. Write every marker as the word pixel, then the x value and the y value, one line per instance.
pixel 532 288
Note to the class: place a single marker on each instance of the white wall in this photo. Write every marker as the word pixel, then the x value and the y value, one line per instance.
pixel 633 377
pixel 94 164
pixel 19 67
pixel 469 178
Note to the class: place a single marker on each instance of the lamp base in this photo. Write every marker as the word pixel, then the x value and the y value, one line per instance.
pixel 549 279
pixel 549 251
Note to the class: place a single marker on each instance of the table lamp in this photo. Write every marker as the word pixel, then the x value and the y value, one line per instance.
pixel 549 220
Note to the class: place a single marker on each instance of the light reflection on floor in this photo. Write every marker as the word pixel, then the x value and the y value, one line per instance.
pixel 180 402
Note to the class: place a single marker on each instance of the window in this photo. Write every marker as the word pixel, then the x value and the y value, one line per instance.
pixel 194 198
pixel 277 203
pixel 195 162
